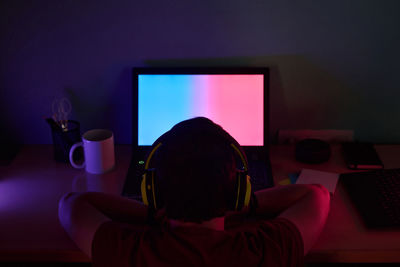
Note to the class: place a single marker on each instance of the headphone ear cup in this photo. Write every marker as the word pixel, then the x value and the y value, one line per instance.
pixel 143 190
pixel 242 190
pixel 148 189
pixel 243 184
pixel 248 192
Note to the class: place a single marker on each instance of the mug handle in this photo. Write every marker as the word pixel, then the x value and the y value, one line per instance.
pixel 71 158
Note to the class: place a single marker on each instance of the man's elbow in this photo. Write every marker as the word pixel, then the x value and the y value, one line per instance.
pixel 318 188
pixel 322 196
pixel 65 209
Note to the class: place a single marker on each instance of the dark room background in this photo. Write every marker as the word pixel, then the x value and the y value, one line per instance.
pixel 334 63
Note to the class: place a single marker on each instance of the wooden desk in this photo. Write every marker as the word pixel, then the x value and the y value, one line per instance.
pixel 30 189
pixel 32 185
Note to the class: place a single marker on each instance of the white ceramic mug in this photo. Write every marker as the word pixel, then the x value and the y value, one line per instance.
pixel 98 149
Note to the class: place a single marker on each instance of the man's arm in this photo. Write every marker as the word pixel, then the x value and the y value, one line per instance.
pixel 307 206
pixel 81 214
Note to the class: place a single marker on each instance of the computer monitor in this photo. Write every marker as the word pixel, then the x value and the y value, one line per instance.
pixel 235 98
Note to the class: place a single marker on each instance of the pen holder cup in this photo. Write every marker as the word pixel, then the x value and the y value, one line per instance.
pixel 63 139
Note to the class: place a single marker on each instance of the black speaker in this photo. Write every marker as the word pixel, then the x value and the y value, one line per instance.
pixel 312 151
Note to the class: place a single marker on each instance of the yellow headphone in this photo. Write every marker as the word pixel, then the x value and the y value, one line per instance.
pixel 242 184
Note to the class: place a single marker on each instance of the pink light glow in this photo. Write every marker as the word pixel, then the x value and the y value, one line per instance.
pixel 235 113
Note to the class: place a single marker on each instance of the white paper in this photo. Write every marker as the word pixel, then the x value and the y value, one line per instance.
pixel 327 179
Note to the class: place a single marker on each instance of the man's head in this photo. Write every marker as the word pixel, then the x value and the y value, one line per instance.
pixel 196 170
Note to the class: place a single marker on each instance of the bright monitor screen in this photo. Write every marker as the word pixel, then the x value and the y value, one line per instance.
pixel 234 101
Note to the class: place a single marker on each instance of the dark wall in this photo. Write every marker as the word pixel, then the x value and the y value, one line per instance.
pixel 334 64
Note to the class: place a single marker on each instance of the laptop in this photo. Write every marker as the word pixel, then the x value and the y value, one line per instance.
pixel 376 196
pixel 235 98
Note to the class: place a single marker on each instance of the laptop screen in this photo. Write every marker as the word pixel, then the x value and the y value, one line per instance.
pixel 233 100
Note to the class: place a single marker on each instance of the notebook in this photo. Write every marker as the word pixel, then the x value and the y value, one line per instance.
pixel 235 98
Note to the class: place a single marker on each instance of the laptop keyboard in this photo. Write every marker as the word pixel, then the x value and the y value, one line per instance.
pixel 388 184
pixel 259 177
pixel 376 195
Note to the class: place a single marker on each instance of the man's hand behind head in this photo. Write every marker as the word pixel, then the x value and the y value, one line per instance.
pixel 307 206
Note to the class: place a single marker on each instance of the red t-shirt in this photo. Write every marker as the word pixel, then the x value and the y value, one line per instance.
pixel 275 242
